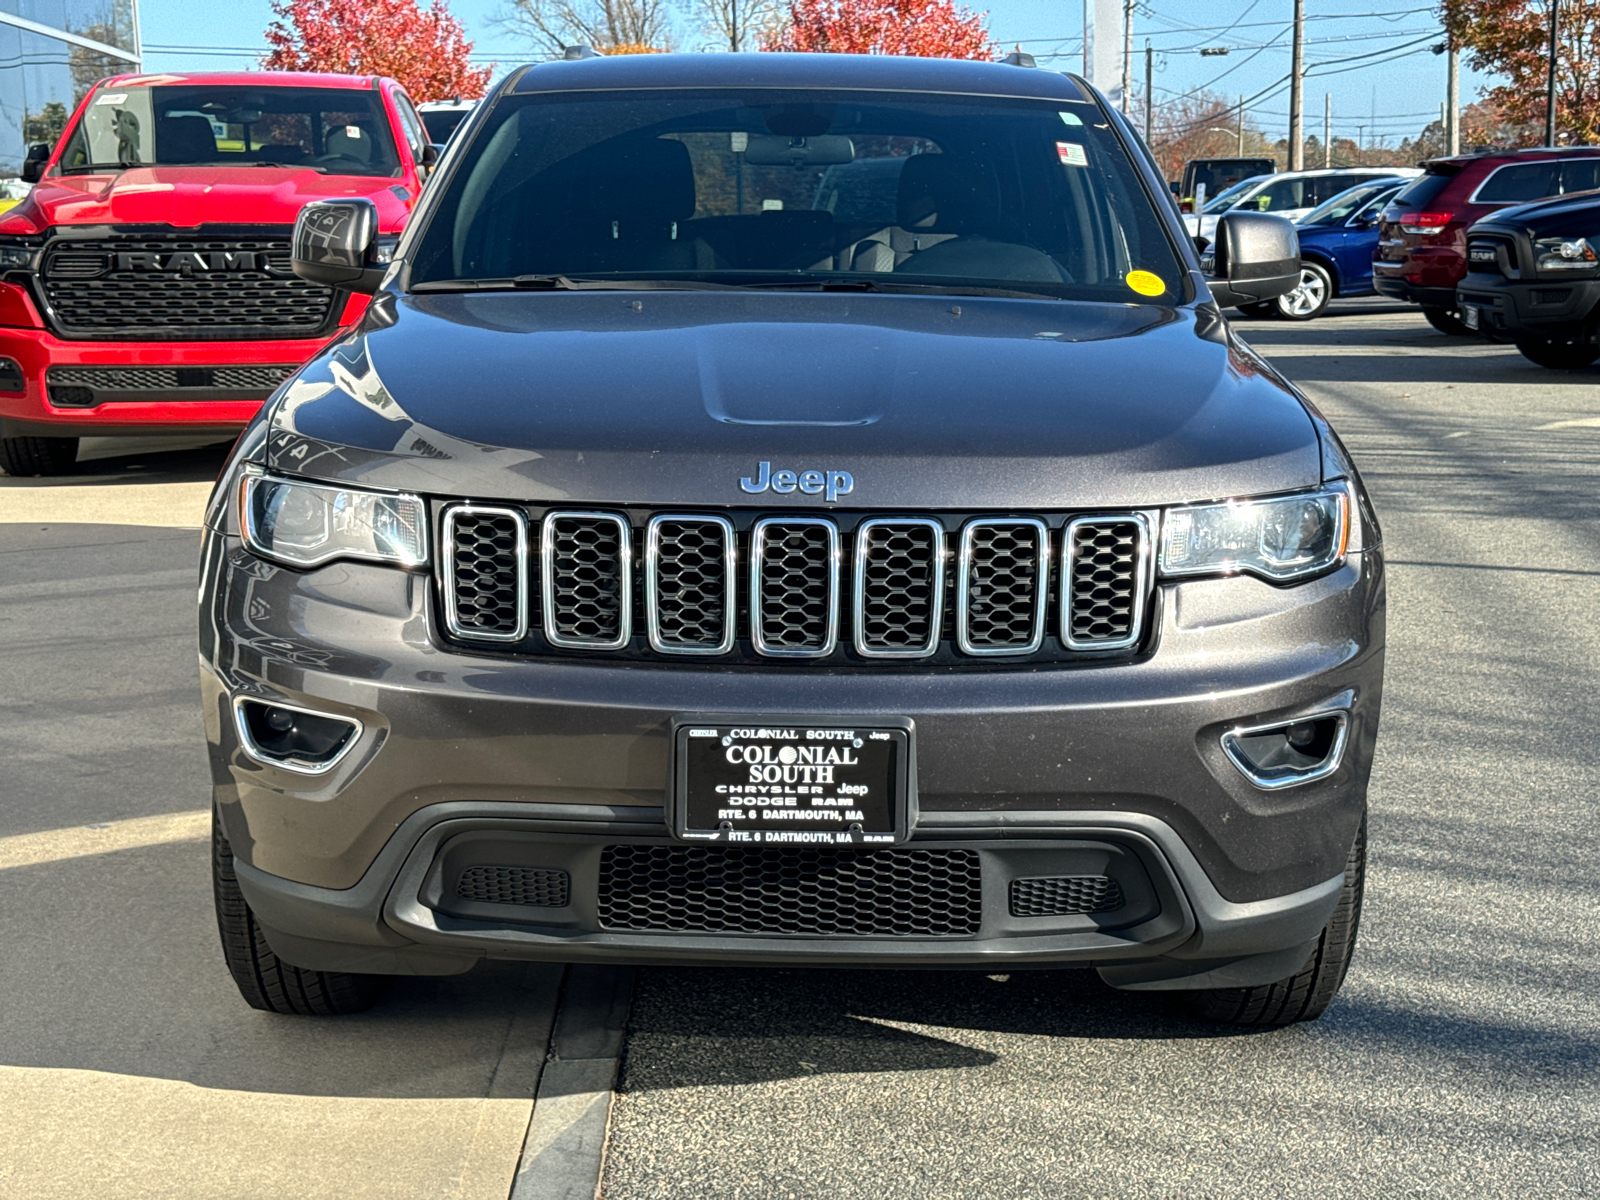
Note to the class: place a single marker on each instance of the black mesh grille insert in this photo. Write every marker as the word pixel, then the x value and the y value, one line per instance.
pixel 691 584
pixel 1004 589
pixel 486 600
pixel 803 890
pixel 540 887
pixel 1103 581
pixel 586 595
pixel 205 287
pixel 163 379
pixel 797 585
pixel 1066 895
pixel 899 571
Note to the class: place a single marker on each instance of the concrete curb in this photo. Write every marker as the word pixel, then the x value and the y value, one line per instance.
pixel 564 1150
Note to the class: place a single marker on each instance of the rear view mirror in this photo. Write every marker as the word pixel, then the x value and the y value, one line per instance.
pixel 823 150
pixel 33 165
pixel 1253 257
pixel 333 245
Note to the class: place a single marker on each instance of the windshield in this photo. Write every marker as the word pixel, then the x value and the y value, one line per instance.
pixel 801 188
pixel 1224 200
pixel 339 131
pixel 1347 203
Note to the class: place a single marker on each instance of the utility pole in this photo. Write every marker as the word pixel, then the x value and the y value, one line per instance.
pixel 1127 55
pixel 1452 92
pixel 1149 91
pixel 1296 88
pixel 1327 129
pixel 1550 86
pixel 1241 126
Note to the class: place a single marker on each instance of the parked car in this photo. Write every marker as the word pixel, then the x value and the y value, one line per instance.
pixel 1336 244
pixel 1293 194
pixel 1533 278
pixel 1422 234
pixel 146 284
pixel 1218 175
pixel 443 117
pixel 13 192
pixel 669 570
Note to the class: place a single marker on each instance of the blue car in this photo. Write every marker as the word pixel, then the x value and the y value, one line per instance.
pixel 1336 243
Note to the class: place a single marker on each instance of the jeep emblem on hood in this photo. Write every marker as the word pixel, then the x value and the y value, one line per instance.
pixel 830 484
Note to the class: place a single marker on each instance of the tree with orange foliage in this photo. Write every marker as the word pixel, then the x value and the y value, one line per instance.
pixel 425 49
pixel 1511 38
pixel 922 28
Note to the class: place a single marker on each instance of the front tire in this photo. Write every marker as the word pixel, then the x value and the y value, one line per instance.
pixel 1306 994
pixel 1446 321
pixel 1311 298
pixel 1560 356
pixel 265 980
pixel 26 457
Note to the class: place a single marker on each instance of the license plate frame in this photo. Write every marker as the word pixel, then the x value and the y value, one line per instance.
pixel 1469 316
pixel 831 756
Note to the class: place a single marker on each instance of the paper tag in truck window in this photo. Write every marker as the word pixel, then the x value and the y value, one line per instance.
pixel 1072 154
pixel 112 98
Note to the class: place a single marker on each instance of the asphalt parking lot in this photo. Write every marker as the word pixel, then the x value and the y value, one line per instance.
pixel 1461 1059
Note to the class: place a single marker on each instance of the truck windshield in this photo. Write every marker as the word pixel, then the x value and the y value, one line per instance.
pixel 338 131
pixel 824 188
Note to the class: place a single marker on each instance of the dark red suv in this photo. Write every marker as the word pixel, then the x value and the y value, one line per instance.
pixel 1422 245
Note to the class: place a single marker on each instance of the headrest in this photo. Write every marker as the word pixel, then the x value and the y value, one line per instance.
pixel 350 141
pixel 651 179
pixel 940 193
pixel 185 140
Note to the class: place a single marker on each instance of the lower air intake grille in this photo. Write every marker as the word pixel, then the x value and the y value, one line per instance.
pixel 538 887
pixel 1105 583
pixel 1066 895
pixel 803 891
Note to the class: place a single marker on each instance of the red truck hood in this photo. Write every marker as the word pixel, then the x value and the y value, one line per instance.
pixel 189 196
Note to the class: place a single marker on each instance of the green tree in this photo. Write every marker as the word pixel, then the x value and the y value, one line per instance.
pixel 46 125
pixel 1510 38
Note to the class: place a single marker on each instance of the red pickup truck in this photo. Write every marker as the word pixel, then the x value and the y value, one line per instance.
pixel 145 284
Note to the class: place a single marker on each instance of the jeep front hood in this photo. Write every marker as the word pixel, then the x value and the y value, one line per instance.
pixel 671 398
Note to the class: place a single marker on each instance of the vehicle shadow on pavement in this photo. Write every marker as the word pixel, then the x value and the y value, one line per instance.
pixel 725 1027
pixel 135 461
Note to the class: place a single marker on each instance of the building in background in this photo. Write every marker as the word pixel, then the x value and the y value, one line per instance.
pixel 51 53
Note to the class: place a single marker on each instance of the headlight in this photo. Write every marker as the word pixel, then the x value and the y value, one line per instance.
pixel 1565 254
pixel 307 524
pixel 15 256
pixel 1280 538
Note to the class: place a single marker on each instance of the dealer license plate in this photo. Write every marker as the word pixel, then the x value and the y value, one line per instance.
pixel 1469 316
pixel 766 782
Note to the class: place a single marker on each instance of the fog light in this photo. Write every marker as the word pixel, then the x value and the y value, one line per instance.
pixel 1288 752
pixel 296 739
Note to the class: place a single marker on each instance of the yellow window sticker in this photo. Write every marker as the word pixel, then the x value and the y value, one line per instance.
pixel 1146 283
pixel 1072 154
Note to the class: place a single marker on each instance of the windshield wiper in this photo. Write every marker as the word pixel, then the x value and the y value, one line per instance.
pixel 566 283
pixel 283 166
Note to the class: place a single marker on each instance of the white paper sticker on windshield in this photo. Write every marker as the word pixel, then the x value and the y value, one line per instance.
pixel 112 98
pixel 1072 154
pixel 1070 118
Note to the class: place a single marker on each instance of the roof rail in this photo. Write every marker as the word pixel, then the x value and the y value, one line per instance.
pixel 574 53
pixel 1019 58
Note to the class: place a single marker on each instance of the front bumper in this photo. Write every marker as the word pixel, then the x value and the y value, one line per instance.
pixel 200 408
pixel 1396 288
pixel 1110 770
pixel 1523 309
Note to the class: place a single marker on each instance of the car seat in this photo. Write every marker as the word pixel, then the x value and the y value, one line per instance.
pixel 185 140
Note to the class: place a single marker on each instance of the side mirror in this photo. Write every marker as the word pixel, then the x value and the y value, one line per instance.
pixel 1253 257
pixel 334 242
pixel 431 154
pixel 33 165
pixel 1360 222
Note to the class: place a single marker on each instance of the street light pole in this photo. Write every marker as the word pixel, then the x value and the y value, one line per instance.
pixel 1241 126
pixel 1327 129
pixel 1452 127
pixel 1296 89
pixel 1127 54
pixel 1550 86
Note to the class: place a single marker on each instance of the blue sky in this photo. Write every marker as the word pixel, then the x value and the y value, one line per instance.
pixel 1384 93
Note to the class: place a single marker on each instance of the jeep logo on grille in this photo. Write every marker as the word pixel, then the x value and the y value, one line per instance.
pixel 186 262
pixel 829 484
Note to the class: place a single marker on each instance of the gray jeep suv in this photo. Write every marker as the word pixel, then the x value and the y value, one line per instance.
pixel 713 549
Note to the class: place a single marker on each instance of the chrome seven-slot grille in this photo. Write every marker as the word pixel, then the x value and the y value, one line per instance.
pixel 797 588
